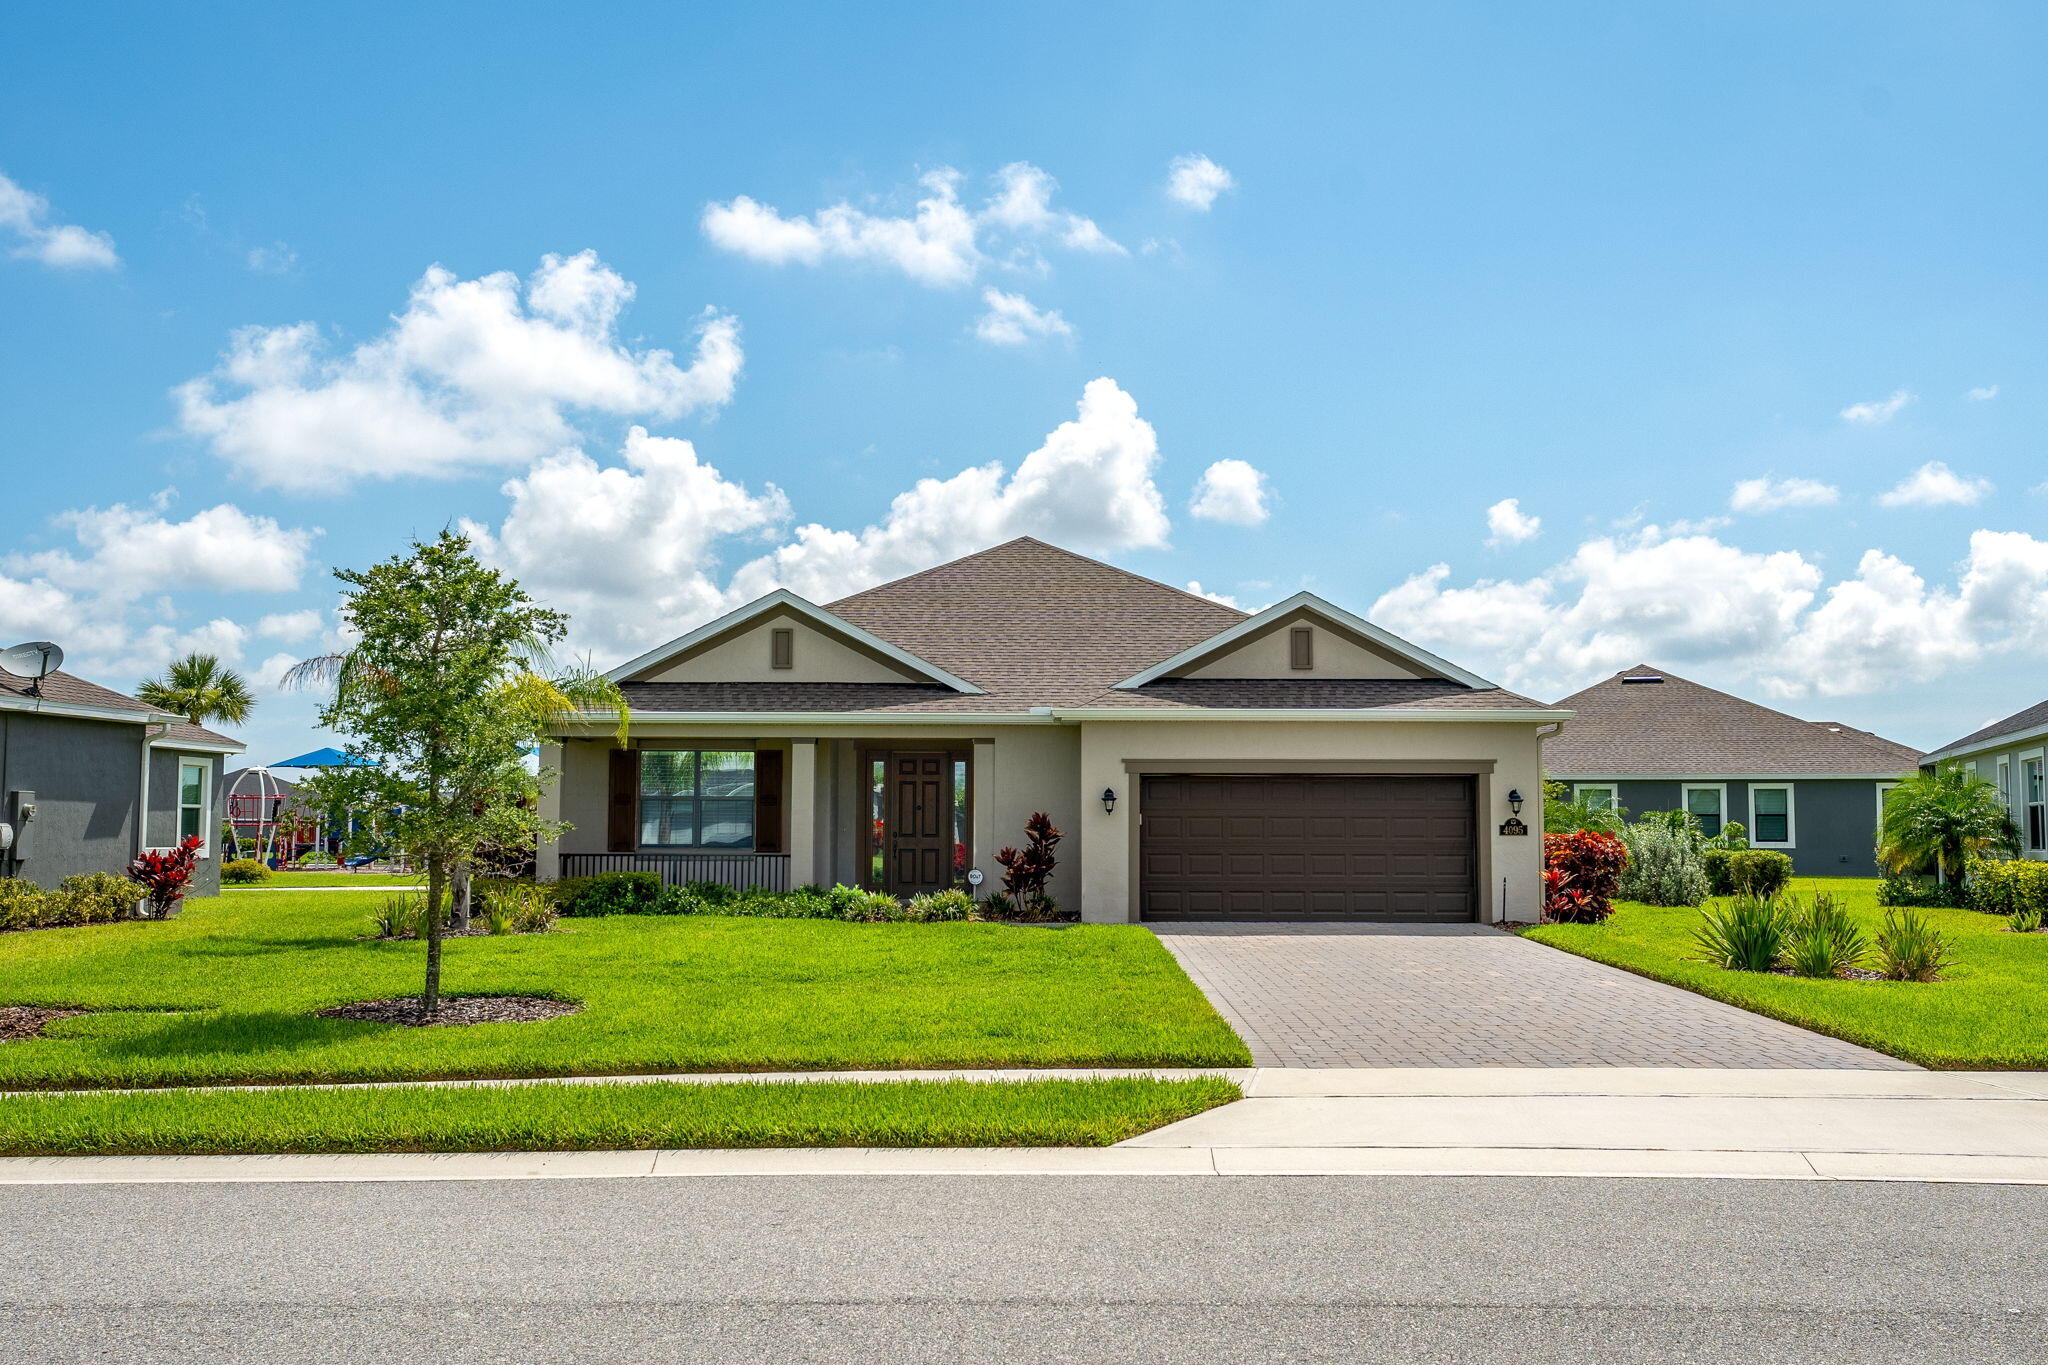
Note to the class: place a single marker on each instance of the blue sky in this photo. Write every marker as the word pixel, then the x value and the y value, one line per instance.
pixel 1706 295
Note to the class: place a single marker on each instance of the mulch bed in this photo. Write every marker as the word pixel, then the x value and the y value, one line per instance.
pixel 18 1022
pixel 455 1009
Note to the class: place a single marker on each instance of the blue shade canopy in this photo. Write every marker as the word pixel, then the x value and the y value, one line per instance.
pixel 329 757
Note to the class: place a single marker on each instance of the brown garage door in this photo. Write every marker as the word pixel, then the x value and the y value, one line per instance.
pixel 1308 847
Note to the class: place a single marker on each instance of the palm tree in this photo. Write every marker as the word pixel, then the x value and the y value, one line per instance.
pixel 1943 818
pixel 199 689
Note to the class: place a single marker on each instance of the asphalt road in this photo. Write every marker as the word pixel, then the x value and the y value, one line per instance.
pixel 1099 1269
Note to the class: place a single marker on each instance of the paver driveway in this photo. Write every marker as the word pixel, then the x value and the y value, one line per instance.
pixel 1470 995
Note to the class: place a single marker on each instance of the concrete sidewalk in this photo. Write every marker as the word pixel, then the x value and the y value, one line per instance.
pixel 1978 1127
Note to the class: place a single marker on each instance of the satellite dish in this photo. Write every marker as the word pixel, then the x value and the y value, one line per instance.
pixel 35 661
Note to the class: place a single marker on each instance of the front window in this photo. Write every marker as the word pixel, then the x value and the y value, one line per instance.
pixel 1598 798
pixel 2037 805
pixel 697 798
pixel 192 803
pixel 1704 803
pixel 1772 807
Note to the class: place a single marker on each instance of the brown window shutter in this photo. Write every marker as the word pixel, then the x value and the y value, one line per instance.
pixel 1301 647
pixel 767 800
pixel 782 648
pixel 623 816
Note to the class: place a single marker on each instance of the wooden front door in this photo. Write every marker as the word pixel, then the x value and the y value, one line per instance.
pixel 917 828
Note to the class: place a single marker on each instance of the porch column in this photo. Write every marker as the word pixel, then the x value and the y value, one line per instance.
pixel 803 811
pixel 981 801
pixel 547 859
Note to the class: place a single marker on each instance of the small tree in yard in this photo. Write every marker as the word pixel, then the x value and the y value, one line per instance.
pixel 163 877
pixel 1942 820
pixel 448 686
pixel 1025 871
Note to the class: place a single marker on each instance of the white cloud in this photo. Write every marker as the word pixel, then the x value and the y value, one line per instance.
pixel 1231 491
pixel 275 259
pixel 132 552
pixel 1983 393
pixel 1766 618
pixel 291 627
pixel 1878 411
pixel 635 551
pixel 1773 495
pixel 1195 587
pixel 1195 181
pixel 468 376
pixel 25 216
pixel 941 242
pixel 1012 320
pixel 1507 524
pixel 1934 484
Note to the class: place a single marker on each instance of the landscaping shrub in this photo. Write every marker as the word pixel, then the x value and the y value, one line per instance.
pixel 1025 872
pixel 1906 889
pixel 933 907
pixel 1664 862
pixel 1909 949
pixel 164 876
pixel 1714 862
pixel 400 916
pixel 89 898
pixel 1580 873
pixel 1823 939
pixel 615 893
pixel 2024 921
pixel 710 893
pixel 1747 936
pixel 243 872
pixel 2006 886
pixel 856 906
pixel 1758 872
pixel 513 907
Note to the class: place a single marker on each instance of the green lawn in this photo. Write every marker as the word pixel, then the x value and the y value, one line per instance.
pixel 1990 1013
pixel 364 879
pixel 1059 1113
pixel 226 992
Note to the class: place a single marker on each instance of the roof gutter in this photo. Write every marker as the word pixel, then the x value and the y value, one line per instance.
pixel 2004 741
pixel 1437 715
pixel 80 711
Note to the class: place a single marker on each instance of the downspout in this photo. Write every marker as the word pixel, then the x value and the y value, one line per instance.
pixel 149 734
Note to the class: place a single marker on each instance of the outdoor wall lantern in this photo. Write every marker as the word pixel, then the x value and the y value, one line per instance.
pixel 1109 800
pixel 1515 802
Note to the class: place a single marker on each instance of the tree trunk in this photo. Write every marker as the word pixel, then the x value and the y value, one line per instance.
pixel 458 910
pixel 430 998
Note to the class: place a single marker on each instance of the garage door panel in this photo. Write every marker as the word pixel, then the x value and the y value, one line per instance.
pixel 1321 847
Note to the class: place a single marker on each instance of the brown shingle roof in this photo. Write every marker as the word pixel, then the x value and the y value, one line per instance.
pixel 1677 728
pixel 73 691
pixel 192 734
pixel 2032 718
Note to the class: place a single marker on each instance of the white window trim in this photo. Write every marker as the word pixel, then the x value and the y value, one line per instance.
pixel 1720 789
pixel 1791 814
pixel 2025 802
pixel 2004 781
pixel 206 830
pixel 1613 790
pixel 1883 789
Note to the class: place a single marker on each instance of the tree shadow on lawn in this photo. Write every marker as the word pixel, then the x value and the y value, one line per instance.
pixel 218 1033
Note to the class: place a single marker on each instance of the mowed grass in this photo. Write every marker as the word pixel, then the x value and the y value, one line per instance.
pixel 357 879
pixel 1990 1013
pixel 227 992
pixel 603 1117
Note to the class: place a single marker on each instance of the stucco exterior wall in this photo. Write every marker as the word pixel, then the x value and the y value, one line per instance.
pixel 87 778
pixel 2016 754
pixel 163 812
pixel 1334 656
pixel 1502 757
pixel 816 657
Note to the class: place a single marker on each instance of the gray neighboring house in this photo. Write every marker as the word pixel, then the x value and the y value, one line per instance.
pixel 87 759
pixel 1647 740
pixel 2011 754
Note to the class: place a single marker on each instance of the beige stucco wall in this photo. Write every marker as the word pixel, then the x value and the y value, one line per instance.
pixel 1109 888
pixel 816 657
pixel 1334 655
pixel 2016 753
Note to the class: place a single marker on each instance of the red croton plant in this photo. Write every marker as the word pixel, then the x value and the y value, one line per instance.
pixel 1580 874
pixel 1025 871
pixel 162 875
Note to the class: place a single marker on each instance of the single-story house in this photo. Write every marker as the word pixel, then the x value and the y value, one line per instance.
pixel 2011 754
pixel 1648 740
pixel 1202 762
pixel 90 777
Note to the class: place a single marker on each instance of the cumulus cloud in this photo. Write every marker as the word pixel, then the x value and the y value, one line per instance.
pixel 1983 393
pixel 1773 495
pixel 1195 587
pixel 275 259
pixel 1231 491
pixel 1934 484
pixel 941 242
pixel 1013 320
pixel 1507 524
pixel 635 550
pixel 1770 618
pixel 473 374
pixel 1195 181
pixel 1877 411
pixel 291 627
pixel 25 216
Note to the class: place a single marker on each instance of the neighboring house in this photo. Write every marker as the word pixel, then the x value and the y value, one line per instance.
pixel 88 760
pixel 267 814
pixel 1647 740
pixel 1202 762
pixel 2011 754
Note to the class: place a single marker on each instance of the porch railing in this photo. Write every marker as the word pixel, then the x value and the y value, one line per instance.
pixel 741 871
